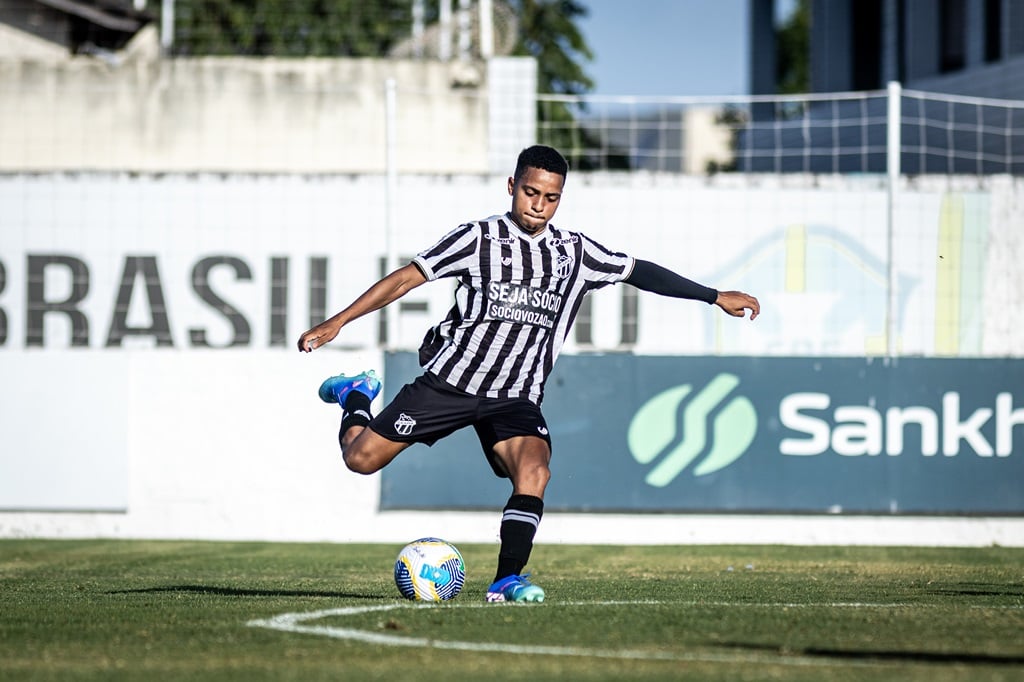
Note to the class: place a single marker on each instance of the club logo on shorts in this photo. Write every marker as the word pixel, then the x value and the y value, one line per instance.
pixel 542 431
pixel 404 424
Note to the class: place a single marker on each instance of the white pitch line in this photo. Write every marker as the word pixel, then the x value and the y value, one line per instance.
pixel 845 605
pixel 294 622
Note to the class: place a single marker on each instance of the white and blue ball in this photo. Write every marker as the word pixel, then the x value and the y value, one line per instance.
pixel 430 569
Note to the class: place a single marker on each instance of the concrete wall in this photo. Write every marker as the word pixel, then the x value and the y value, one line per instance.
pixel 141 113
pixel 22 45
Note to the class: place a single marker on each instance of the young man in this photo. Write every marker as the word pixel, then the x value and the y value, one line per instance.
pixel 520 284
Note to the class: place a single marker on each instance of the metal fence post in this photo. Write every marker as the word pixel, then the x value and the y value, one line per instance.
pixel 167 25
pixel 390 201
pixel 893 143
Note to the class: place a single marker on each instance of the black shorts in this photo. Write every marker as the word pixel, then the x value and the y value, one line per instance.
pixel 429 409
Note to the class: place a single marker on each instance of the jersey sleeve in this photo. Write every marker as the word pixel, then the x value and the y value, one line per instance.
pixel 452 255
pixel 602 266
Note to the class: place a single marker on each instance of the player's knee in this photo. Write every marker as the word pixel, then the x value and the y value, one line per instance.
pixel 533 478
pixel 359 460
pixel 360 465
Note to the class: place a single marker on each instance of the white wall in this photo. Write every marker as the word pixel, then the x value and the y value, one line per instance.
pixel 814 251
pixel 223 445
pixel 233 443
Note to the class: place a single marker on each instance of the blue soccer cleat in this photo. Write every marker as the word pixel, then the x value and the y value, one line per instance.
pixel 334 389
pixel 514 588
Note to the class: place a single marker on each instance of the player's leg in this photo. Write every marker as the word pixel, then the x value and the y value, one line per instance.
pixel 423 411
pixel 367 452
pixel 515 437
pixel 526 459
pixel 364 451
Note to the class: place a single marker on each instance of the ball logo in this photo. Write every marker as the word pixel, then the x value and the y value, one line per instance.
pixel 436 574
pixel 672 429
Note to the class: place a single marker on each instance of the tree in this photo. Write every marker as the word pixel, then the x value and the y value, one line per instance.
pixel 793 51
pixel 548 32
pixel 290 28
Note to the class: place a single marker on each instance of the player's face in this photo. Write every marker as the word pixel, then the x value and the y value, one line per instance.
pixel 535 198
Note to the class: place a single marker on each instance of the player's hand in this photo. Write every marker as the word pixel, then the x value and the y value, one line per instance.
pixel 736 303
pixel 317 336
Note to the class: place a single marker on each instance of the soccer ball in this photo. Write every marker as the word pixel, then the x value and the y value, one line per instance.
pixel 429 569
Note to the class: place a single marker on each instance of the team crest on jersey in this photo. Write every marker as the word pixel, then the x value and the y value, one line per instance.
pixel 501 240
pixel 563 266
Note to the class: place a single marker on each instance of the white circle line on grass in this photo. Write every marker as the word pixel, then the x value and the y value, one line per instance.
pixel 296 623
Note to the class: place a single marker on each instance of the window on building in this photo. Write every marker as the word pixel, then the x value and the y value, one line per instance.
pixel 952 35
pixel 584 325
pixel 866 44
pixel 993 30
pixel 630 316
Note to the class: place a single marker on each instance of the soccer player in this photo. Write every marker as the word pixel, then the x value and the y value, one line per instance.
pixel 520 282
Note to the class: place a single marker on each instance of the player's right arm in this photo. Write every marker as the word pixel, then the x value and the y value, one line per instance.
pixel 390 289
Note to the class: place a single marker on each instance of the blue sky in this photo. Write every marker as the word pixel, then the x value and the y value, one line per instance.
pixel 667 47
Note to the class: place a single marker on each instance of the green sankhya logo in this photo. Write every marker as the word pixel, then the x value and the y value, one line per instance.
pixel 672 429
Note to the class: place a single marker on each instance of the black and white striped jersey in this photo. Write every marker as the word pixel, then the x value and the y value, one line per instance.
pixel 515 301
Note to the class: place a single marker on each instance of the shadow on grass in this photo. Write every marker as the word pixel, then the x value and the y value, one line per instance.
pixel 246 592
pixel 978 590
pixel 951 657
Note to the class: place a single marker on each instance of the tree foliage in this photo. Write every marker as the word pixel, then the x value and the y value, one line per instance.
pixel 548 32
pixel 290 28
pixel 793 51
pixel 356 28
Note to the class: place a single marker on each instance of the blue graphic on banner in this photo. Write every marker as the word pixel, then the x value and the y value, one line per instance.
pixel 812 435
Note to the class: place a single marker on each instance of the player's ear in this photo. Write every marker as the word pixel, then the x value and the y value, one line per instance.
pixel 511 185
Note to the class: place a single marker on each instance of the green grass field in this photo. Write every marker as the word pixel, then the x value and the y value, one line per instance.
pixel 199 610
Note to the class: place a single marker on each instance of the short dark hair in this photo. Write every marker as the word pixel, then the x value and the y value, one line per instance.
pixel 542 157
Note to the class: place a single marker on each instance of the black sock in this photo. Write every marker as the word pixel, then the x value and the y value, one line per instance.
pixel 518 526
pixel 357 412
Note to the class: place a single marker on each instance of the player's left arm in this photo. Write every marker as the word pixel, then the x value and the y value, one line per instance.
pixel 656 279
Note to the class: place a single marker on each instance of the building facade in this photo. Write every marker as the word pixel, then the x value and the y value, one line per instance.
pixel 962 47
